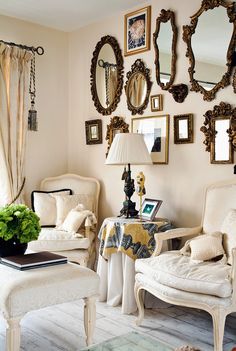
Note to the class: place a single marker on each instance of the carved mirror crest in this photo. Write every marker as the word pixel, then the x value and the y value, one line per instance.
pixel 138 87
pixel 220 133
pixel 164 41
pixel 211 39
pixel 106 75
pixel 117 125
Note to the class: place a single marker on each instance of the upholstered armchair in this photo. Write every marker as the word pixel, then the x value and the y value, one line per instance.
pixel 68 209
pixel 202 274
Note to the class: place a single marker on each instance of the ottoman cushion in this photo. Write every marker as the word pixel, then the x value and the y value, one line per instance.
pixel 24 291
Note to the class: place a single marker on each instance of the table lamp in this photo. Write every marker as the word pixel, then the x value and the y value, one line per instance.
pixel 128 149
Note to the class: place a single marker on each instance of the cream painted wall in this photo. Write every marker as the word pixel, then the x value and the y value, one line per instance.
pixel 46 149
pixel 181 183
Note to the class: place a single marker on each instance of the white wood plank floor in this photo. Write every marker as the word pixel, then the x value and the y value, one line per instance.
pixel 61 327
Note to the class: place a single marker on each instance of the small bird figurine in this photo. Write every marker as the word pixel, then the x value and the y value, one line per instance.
pixel 140 189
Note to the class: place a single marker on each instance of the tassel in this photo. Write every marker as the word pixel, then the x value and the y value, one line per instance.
pixel 32 119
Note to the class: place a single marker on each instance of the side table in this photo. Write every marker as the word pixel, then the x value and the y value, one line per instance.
pixel 122 241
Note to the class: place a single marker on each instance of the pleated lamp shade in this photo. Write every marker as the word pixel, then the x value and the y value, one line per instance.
pixel 128 148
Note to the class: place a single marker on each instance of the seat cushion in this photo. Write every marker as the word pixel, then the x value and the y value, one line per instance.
pixel 51 239
pixel 177 271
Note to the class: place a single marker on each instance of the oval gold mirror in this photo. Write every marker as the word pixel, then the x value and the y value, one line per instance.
pixel 106 75
pixel 164 41
pixel 220 133
pixel 211 40
pixel 138 87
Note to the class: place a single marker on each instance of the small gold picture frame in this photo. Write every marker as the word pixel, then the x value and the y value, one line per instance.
pixel 156 103
pixel 137 31
pixel 183 128
pixel 93 131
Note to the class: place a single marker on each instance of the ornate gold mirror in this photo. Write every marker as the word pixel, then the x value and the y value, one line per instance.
pixel 164 41
pixel 220 133
pixel 138 87
pixel 211 39
pixel 117 125
pixel 106 75
pixel 183 129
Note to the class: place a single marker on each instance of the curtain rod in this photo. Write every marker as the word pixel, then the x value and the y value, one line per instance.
pixel 39 50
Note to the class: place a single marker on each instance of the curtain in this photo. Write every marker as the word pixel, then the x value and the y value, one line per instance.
pixel 14 79
pixel 112 84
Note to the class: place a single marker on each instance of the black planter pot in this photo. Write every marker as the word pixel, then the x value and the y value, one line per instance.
pixel 11 247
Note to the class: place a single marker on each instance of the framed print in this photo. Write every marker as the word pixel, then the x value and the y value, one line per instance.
pixel 137 31
pixel 93 131
pixel 149 209
pixel 183 129
pixel 156 103
pixel 156 136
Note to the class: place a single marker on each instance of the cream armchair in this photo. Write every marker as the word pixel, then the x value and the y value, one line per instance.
pixel 207 285
pixel 79 247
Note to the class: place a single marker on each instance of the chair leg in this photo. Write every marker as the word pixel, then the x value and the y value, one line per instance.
pixel 89 318
pixel 218 317
pixel 139 297
pixel 13 335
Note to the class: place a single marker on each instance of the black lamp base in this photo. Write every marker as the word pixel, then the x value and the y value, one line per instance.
pixel 128 209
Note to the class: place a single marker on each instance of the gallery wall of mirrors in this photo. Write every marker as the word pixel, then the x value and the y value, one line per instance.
pixel 210 69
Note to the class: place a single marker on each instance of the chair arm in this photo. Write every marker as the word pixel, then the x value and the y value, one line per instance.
pixel 172 234
pixel 233 275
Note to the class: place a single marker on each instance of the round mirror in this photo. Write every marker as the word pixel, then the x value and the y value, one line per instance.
pixel 164 40
pixel 106 75
pixel 138 87
pixel 211 40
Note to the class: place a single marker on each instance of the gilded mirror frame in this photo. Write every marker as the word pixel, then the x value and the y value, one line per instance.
pixel 219 112
pixel 189 118
pixel 117 125
pixel 138 67
pixel 120 68
pixel 165 16
pixel 189 30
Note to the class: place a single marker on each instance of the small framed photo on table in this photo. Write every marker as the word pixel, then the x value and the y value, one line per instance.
pixel 93 131
pixel 137 31
pixel 149 209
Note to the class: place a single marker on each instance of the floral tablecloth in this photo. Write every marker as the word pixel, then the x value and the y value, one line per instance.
pixel 130 236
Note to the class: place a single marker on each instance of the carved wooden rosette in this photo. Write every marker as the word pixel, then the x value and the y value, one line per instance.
pixel 164 17
pixel 117 125
pixel 188 31
pixel 138 67
pixel 119 61
pixel 223 110
pixel 179 92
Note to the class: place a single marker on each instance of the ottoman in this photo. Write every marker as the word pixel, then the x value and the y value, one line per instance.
pixel 25 291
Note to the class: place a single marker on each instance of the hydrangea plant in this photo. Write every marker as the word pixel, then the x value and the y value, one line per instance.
pixel 18 222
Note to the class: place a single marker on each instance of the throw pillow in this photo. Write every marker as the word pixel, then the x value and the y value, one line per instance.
pixel 44 204
pixel 228 229
pixel 73 221
pixel 206 247
pixel 66 203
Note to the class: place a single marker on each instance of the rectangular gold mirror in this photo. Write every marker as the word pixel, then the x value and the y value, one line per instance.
pixel 156 136
pixel 183 129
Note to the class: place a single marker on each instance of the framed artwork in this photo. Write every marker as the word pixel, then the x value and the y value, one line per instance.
pixel 149 209
pixel 137 31
pixel 156 103
pixel 93 130
pixel 155 130
pixel 183 129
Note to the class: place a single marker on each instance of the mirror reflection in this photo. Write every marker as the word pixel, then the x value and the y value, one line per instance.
pixel 222 146
pixel 137 89
pixel 210 44
pixel 183 129
pixel 164 43
pixel 106 75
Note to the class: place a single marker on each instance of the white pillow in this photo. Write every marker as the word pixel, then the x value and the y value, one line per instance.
pixel 44 204
pixel 228 228
pixel 206 246
pixel 73 221
pixel 66 203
